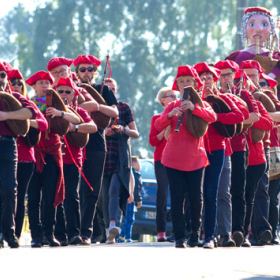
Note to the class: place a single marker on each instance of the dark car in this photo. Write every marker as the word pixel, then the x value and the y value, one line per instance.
pixel 145 217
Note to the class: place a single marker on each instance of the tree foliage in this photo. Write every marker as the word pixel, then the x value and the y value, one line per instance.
pixel 147 41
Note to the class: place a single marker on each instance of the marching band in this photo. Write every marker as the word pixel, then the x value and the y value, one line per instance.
pixel 217 148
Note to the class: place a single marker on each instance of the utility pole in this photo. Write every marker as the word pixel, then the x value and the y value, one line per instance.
pixel 241 6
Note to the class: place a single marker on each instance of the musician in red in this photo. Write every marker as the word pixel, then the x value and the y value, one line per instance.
pixel 238 144
pixel 224 214
pixel 48 177
pixel 8 162
pixel 17 82
pixel 184 157
pixel 26 157
pixel 261 229
pixel 268 86
pixel 72 159
pixel 86 70
pixel 215 147
pixel 158 140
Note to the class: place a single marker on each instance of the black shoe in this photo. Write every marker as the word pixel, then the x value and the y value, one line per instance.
pixel 63 243
pixel 95 239
pixel 45 242
pixel 275 240
pixel 193 240
pixel 86 240
pixel 180 243
pixel 1 241
pixel 238 238
pixel 246 243
pixel 226 241
pixel 265 237
pixel 51 241
pixel 36 243
pixel 75 240
pixel 12 241
pixel 171 238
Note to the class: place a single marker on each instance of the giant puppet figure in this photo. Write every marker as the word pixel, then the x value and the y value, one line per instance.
pixel 259 38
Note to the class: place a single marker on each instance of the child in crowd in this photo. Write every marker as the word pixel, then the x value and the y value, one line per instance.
pixel 126 231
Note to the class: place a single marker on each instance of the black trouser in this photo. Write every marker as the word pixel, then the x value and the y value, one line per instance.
pixel 93 169
pixel 253 176
pixel 68 219
pixel 24 174
pixel 180 183
pixel 274 189
pixel 60 231
pixel 72 199
pixel 8 185
pixel 237 190
pixel 43 184
pixel 260 221
pixel 162 193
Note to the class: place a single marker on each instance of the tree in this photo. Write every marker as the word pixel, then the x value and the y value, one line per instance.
pixel 147 41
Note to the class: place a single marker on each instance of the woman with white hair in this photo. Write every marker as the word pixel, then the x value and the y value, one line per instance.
pixel 158 140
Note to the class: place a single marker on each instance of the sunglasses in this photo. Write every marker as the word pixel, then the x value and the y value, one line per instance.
pixel 172 96
pixel 263 84
pixel 16 83
pixel 3 75
pixel 84 69
pixel 66 91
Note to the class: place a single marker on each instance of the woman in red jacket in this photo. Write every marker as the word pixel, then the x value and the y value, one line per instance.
pixel 158 140
pixel 26 158
pixel 47 182
pixel 184 156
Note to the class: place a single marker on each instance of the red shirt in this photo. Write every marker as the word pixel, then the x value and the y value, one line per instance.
pixel 274 138
pixel 26 153
pixel 183 151
pixel 77 152
pixel 216 140
pixel 256 150
pixel 154 141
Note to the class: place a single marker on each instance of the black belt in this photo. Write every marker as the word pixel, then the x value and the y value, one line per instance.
pixel 7 138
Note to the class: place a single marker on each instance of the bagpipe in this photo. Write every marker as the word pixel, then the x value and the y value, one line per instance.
pixel 102 121
pixel 77 138
pixel 220 106
pixel 196 125
pixel 10 103
pixel 257 134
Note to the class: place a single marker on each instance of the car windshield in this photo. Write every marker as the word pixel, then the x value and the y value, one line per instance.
pixel 147 170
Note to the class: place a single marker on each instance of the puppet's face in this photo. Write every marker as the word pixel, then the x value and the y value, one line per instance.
pixel 258 26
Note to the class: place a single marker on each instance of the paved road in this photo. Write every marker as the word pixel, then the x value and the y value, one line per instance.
pixel 135 261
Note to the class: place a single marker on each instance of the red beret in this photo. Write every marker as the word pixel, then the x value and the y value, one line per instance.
pixel 41 75
pixel 87 59
pixel 57 61
pixel 67 82
pixel 15 74
pixel 186 70
pixel 204 67
pixel 257 9
pixel 227 64
pixel 251 64
pixel 272 83
pixel 2 67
